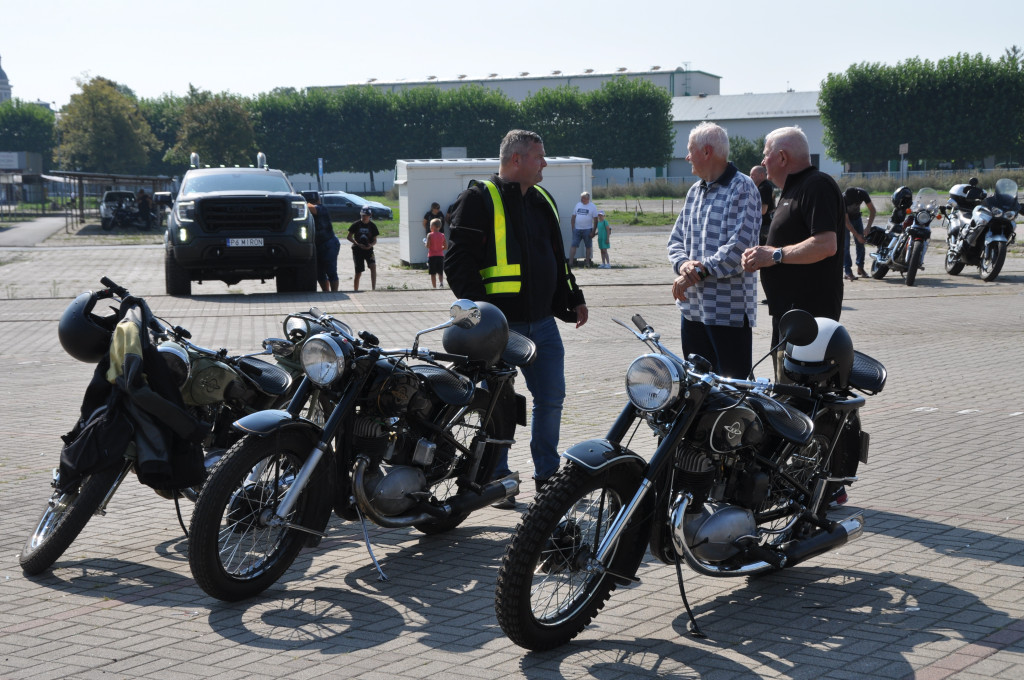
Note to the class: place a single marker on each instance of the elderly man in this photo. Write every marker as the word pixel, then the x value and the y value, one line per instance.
pixel 584 225
pixel 719 221
pixel 801 266
pixel 524 273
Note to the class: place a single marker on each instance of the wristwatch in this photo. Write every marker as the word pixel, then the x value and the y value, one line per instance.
pixel 777 256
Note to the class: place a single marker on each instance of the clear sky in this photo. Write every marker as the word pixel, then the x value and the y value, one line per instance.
pixel 252 46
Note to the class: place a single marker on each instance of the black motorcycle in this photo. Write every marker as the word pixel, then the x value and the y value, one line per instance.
pixel 902 244
pixel 410 437
pixel 981 227
pixel 124 216
pixel 740 482
pixel 130 423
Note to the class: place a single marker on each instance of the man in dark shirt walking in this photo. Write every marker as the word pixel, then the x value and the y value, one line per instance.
pixel 853 197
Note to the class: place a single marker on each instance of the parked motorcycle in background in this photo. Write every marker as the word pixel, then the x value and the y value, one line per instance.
pixel 407 442
pixel 981 227
pixel 902 244
pixel 124 216
pixel 108 441
pixel 740 482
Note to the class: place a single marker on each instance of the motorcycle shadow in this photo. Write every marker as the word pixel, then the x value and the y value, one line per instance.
pixel 947 539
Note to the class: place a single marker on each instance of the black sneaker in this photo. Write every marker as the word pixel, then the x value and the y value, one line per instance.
pixel 507 503
pixel 839 498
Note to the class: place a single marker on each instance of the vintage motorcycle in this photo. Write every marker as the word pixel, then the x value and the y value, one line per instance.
pixel 904 241
pixel 981 227
pixel 740 482
pixel 215 389
pixel 406 441
pixel 124 215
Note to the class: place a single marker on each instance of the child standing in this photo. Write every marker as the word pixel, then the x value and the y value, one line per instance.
pixel 604 234
pixel 436 245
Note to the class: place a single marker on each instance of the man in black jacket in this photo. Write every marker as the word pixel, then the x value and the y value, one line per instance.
pixel 506 248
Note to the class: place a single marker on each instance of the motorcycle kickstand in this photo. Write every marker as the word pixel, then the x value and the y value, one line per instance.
pixel 369 549
pixel 695 630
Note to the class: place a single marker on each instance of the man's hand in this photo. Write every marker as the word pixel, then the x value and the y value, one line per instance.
pixel 581 315
pixel 757 257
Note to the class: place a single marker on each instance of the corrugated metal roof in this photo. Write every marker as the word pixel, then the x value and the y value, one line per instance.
pixel 718 107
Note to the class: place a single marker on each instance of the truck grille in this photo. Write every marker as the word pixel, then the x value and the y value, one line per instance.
pixel 244 214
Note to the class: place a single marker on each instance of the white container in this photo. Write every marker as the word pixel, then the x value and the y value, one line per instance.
pixel 422 182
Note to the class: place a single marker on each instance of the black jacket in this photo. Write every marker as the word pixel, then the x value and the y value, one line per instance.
pixel 471 249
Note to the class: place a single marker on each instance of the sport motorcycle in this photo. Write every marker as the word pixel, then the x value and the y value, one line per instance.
pixel 410 438
pixel 164 413
pixel 981 227
pixel 740 483
pixel 903 243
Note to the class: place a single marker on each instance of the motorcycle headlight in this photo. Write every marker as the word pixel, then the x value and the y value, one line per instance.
pixel 996 212
pixel 923 217
pixel 1010 214
pixel 176 358
pixel 325 358
pixel 653 382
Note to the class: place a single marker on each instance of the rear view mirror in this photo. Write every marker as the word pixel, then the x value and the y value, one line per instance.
pixel 797 327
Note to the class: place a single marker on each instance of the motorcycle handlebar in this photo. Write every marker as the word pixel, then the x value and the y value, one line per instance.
pixel 119 291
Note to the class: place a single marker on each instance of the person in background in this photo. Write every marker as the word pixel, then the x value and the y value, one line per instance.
pixel 853 197
pixel 328 246
pixel 363 236
pixel 525 275
pixel 436 245
pixel 767 192
pixel 720 219
pixel 604 239
pixel 584 222
pixel 433 214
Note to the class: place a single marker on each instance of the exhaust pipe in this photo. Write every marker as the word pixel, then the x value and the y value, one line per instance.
pixel 842 532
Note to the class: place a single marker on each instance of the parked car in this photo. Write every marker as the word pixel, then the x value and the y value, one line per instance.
pixel 342 206
pixel 109 203
pixel 232 223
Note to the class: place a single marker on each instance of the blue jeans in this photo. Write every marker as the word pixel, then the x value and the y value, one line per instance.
pixel 858 224
pixel 545 378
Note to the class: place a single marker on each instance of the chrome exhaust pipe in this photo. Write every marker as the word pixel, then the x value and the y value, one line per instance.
pixel 842 532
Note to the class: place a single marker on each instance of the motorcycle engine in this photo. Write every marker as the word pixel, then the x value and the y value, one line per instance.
pixel 711 533
pixel 389 493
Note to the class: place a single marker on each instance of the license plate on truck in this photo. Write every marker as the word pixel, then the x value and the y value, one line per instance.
pixel 245 243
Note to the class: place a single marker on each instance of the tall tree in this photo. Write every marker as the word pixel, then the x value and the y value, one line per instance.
pixel 370 133
pixel 745 154
pixel 164 118
pixel 216 126
pixel 561 116
pixel 102 130
pixel 632 124
pixel 26 127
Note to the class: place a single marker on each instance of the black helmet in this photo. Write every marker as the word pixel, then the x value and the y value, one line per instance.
pixel 484 341
pixel 827 360
pixel 901 199
pixel 84 335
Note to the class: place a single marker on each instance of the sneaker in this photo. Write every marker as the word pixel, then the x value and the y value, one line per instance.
pixel 838 498
pixel 507 503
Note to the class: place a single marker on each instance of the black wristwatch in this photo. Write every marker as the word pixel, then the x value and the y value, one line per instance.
pixel 777 256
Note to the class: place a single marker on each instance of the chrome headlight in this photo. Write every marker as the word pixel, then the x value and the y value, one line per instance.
pixel 325 358
pixel 653 382
pixel 1010 214
pixel 996 212
pixel 923 217
pixel 176 358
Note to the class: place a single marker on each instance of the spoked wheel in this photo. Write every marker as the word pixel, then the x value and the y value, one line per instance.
pixel 953 264
pixel 235 548
pixel 550 585
pixel 65 515
pixel 913 262
pixel 992 261
pixel 444 471
pixel 878 271
pixel 774 517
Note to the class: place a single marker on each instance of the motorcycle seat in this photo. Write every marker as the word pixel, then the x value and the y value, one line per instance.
pixel 867 374
pixel 519 350
pixel 271 379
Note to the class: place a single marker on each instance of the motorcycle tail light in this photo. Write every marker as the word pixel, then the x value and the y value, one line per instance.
pixel 653 382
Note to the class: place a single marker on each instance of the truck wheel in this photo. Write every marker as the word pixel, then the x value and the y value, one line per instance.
pixel 285 280
pixel 176 280
pixel 305 279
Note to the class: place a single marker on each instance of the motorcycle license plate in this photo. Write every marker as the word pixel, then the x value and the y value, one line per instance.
pixel 245 242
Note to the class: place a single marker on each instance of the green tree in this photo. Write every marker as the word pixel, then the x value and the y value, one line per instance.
pixel 102 130
pixel 745 154
pixel 477 118
pixel 368 133
pixel 216 126
pixel 163 115
pixel 26 127
pixel 295 128
pixel 561 116
pixel 632 124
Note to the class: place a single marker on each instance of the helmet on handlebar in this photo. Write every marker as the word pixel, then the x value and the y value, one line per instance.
pixel 84 335
pixel 827 360
pixel 901 200
pixel 483 342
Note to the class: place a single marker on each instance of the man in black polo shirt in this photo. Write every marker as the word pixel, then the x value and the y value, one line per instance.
pixel 801 263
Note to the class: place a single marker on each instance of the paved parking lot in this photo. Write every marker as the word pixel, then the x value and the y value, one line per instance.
pixel 933 589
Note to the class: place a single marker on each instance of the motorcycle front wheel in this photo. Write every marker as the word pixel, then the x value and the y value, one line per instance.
pixel 878 271
pixel 549 584
pixel 65 515
pixel 992 261
pixel 913 262
pixel 235 550
pixel 953 264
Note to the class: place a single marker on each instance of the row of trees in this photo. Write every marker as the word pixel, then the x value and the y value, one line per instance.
pixel 959 109
pixel 106 128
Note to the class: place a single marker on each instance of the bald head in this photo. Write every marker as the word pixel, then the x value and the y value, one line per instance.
pixel 758 174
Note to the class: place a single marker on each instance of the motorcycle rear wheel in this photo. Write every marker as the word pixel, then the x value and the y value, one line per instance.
pixel 878 271
pixel 63 518
pixel 547 590
pixel 913 262
pixel 953 264
pixel 992 261
pixel 232 551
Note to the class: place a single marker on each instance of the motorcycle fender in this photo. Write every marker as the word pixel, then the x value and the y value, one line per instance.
pixel 263 423
pixel 865 443
pixel 993 238
pixel 520 410
pixel 596 455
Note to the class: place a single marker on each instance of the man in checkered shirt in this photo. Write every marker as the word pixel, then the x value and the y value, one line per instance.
pixel 720 219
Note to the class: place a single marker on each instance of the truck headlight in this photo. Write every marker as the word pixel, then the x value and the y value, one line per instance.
pixel 299 210
pixel 185 211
